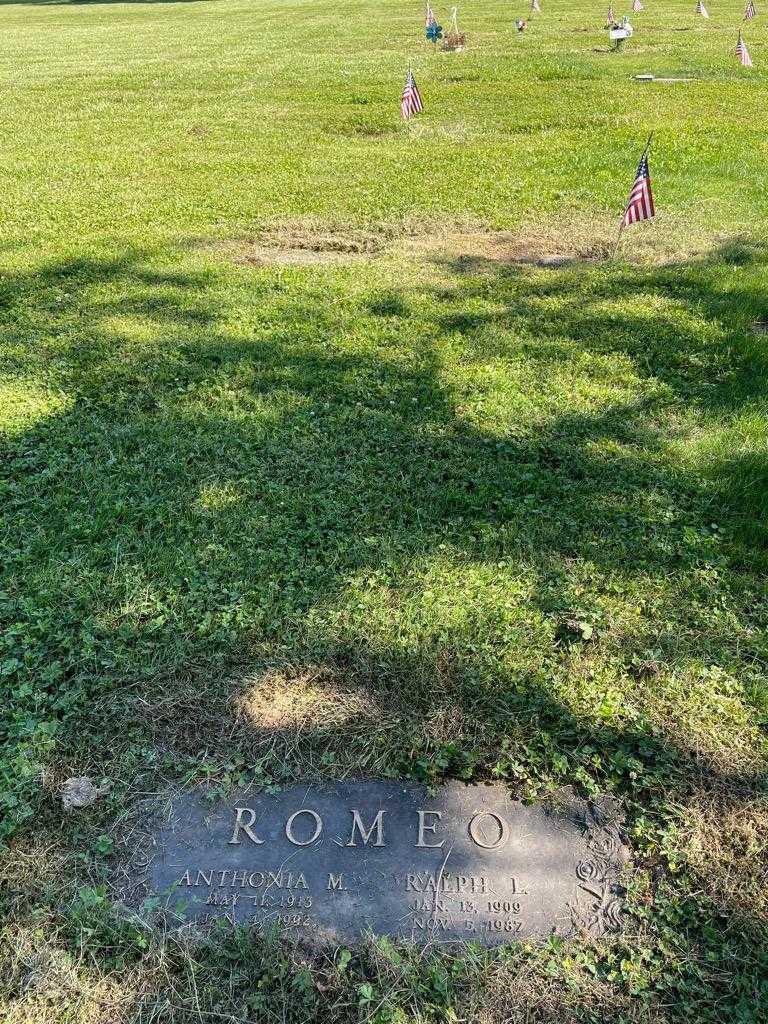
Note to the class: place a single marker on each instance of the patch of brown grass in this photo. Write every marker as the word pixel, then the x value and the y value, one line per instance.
pixel 309 698
pixel 37 862
pixel 302 243
pixel 45 984
pixel 469 246
pixel 546 246
pixel 307 242
pixel 513 993
pixel 723 839
pixel 308 719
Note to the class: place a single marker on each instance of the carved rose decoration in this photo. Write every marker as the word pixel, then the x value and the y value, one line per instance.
pixel 588 871
pixel 612 914
pixel 606 845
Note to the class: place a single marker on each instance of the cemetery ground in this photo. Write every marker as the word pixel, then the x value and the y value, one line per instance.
pixel 311 468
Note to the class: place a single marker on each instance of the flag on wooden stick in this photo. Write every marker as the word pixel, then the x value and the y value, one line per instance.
pixel 701 9
pixel 536 6
pixel 636 6
pixel 750 11
pixel 611 17
pixel 743 53
pixel 410 102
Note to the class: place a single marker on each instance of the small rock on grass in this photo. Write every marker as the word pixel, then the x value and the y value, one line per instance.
pixel 81 792
pixel 572 629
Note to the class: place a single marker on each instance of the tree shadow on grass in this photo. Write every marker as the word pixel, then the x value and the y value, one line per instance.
pixel 456 509
pixel 295 463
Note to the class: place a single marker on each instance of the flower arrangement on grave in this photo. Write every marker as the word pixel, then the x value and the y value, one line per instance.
pixel 619 32
pixel 454 40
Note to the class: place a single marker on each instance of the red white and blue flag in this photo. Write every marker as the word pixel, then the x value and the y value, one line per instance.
pixel 701 9
pixel 743 53
pixel 536 6
pixel 640 205
pixel 410 102
pixel 637 5
pixel 430 17
pixel 750 11
pixel 611 17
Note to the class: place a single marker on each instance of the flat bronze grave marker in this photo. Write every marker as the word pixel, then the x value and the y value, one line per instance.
pixel 332 863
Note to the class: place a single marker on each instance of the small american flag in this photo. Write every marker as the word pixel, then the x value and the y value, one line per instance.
pixel 750 11
pixel 637 5
pixel 701 9
pixel 640 205
pixel 743 53
pixel 611 17
pixel 536 6
pixel 430 17
pixel 411 101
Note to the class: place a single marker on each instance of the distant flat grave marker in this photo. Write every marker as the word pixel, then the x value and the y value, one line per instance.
pixel 332 863
pixel 654 78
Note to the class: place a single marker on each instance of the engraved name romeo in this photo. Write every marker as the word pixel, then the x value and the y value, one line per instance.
pixel 335 862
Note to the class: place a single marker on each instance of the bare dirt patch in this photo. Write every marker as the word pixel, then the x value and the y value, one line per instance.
pixel 722 838
pixel 472 251
pixel 282 701
pixel 302 244
pixel 463 247
pixel 470 246
pixel 308 720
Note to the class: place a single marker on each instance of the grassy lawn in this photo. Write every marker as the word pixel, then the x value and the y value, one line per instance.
pixel 309 469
